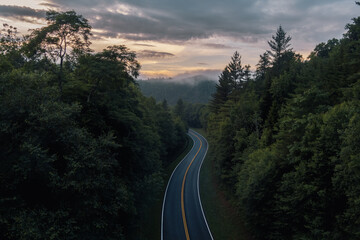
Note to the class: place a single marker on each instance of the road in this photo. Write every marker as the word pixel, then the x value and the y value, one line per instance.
pixel 182 214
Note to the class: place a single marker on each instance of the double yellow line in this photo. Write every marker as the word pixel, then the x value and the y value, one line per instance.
pixel 182 191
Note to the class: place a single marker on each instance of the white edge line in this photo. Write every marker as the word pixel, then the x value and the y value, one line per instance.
pixel 162 211
pixel 202 210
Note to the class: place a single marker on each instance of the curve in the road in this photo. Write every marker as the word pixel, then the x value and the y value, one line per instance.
pixel 182 213
pixel 182 193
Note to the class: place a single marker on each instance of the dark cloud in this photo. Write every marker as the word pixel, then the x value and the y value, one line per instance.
pixel 179 21
pixel 50 5
pixel 154 54
pixel 162 20
pixel 244 20
pixel 143 45
pixel 147 28
pixel 216 46
pixel 25 14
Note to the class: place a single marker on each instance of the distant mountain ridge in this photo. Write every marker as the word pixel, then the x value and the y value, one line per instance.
pixel 196 89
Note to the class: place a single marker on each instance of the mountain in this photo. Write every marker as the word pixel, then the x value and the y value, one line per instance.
pixel 197 89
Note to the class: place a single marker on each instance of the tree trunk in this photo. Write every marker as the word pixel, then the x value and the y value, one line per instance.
pixel 60 77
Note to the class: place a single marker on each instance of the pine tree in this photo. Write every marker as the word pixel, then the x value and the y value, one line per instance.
pixel 263 65
pixel 223 90
pixel 279 45
pixel 236 71
pixel 232 78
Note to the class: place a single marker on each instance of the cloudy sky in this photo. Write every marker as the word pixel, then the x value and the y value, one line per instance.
pixel 190 37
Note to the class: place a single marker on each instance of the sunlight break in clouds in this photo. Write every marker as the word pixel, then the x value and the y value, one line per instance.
pixel 172 37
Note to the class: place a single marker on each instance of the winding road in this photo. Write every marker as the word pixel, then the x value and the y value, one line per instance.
pixel 182 213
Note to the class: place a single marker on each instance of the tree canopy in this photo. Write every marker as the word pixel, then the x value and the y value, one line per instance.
pixel 286 145
pixel 82 151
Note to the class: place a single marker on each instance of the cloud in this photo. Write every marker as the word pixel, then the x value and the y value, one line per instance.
pixel 50 5
pixel 216 46
pixel 246 21
pixel 208 74
pixel 160 20
pixel 154 54
pixel 146 27
pixel 25 14
pixel 143 45
pixel 240 24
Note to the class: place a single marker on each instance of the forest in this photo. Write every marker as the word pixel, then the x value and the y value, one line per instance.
pixel 196 91
pixel 82 151
pixel 286 140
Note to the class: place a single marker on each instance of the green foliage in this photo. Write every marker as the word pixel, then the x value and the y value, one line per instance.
pixel 83 163
pixel 231 79
pixel 287 144
pixel 64 30
pixel 279 44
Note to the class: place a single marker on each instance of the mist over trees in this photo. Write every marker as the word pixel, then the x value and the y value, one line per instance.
pixel 82 151
pixel 197 91
pixel 286 141
pixel 188 99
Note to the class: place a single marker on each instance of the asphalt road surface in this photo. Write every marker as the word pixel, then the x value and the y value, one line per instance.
pixel 182 213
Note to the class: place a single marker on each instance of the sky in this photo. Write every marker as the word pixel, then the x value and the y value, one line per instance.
pixel 182 38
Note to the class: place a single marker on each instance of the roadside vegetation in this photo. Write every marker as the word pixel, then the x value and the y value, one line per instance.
pixel 82 151
pixel 151 218
pixel 85 155
pixel 286 141
pixel 223 221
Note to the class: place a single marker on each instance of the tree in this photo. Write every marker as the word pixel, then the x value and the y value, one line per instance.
pixel 9 41
pixel 223 90
pixel 324 49
pixel 65 30
pixel 111 68
pixel 232 78
pixel 279 44
pixel 179 109
pixel 236 71
pixel 263 65
pixel 124 57
pixel 10 45
pixel 72 168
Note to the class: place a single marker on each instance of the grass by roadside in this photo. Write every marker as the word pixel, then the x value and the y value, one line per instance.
pixel 151 223
pixel 223 220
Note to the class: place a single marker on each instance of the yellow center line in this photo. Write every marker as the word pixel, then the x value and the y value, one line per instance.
pixel 182 192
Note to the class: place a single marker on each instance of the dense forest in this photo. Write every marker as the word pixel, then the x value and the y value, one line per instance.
pixel 82 151
pixel 286 141
pixel 194 115
pixel 187 98
pixel 197 90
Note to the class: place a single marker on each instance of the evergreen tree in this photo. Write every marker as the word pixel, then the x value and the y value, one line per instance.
pixel 223 89
pixel 295 170
pixel 179 109
pixel 263 66
pixel 236 71
pixel 232 78
pixel 279 45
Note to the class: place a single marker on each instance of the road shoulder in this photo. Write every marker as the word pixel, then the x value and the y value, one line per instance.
pixel 220 212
